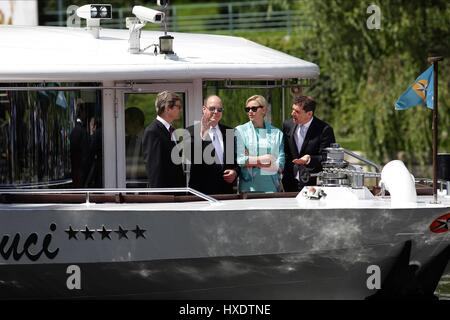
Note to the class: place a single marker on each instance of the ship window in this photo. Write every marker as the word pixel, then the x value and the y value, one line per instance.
pixel 139 113
pixel 40 146
pixel 234 102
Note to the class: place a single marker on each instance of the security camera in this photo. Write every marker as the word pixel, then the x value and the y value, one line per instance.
pixel 148 15
pixel 144 15
pixel 162 3
pixel 95 11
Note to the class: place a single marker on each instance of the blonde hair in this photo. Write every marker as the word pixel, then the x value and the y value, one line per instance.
pixel 260 99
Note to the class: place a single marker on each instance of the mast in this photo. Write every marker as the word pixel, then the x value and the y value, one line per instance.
pixel 435 61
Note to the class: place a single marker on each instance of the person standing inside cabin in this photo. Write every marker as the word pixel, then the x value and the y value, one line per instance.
pixel 215 175
pixel 134 132
pixel 159 140
pixel 306 137
pixel 78 147
pixel 260 151
pixel 94 158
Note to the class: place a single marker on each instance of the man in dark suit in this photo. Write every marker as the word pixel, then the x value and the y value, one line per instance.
pixel 217 174
pixel 163 171
pixel 78 147
pixel 94 156
pixel 306 136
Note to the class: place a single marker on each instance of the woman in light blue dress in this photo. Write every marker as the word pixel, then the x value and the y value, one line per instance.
pixel 260 150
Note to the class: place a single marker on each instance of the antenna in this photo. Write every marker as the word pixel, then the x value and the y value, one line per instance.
pixel 166 41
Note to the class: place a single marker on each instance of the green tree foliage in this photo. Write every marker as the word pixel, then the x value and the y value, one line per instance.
pixel 367 70
pixel 363 71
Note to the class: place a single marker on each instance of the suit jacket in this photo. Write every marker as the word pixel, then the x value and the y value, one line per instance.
pixel 320 135
pixel 79 146
pixel 94 161
pixel 157 148
pixel 208 178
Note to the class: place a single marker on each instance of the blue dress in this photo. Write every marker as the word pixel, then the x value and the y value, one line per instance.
pixel 251 141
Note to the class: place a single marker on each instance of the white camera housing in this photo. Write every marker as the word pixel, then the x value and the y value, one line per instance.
pixel 95 11
pixel 162 3
pixel 148 15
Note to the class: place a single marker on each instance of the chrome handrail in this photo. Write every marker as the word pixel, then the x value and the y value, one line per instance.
pixel 88 192
pixel 361 158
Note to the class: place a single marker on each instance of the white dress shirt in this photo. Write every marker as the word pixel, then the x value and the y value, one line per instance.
pixel 300 134
pixel 299 137
pixel 217 144
pixel 167 125
pixel 219 134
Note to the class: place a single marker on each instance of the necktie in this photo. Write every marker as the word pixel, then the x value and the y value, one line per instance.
pixel 303 131
pixel 217 146
pixel 300 140
pixel 171 130
pixel 301 137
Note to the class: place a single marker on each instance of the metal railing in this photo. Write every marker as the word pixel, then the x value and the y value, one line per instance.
pixel 248 16
pixel 88 192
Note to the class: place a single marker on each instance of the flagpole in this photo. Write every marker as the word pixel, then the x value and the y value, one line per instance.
pixel 435 61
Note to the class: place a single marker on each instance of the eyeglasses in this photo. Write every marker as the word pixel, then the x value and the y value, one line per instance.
pixel 212 109
pixel 254 109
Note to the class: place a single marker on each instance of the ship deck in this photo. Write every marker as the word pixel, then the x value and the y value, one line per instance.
pixel 267 203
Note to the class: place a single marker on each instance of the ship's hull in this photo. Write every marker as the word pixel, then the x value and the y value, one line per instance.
pixel 284 276
pixel 138 253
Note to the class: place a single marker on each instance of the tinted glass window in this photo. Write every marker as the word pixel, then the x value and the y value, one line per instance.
pixel 50 138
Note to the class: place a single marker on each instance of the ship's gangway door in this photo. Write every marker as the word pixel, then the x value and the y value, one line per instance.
pixel 136 110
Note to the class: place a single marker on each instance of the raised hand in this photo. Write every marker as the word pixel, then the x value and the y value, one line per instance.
pixel 205 124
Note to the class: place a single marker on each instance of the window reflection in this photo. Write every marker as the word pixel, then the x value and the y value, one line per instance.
pixel 134 132
pixel 35 130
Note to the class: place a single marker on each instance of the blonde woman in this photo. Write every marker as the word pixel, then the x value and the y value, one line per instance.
pixel 260 150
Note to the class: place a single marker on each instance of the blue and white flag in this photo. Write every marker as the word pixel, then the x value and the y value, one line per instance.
pixel 419 93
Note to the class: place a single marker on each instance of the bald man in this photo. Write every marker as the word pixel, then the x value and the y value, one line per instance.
pixel 217 174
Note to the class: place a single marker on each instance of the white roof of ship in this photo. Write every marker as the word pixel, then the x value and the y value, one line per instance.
pixel 59 53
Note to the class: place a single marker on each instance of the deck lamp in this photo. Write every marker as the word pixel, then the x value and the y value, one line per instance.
pixel 93 13
pixel 166 44
pixel 165 41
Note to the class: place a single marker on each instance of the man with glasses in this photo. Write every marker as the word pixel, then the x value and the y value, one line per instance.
pixel 306 136
pixel 213 169
pixel 158 142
